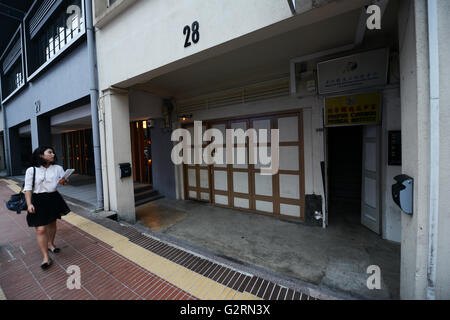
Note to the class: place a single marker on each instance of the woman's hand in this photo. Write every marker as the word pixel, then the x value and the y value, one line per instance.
pixel 62 181
pixel 30 209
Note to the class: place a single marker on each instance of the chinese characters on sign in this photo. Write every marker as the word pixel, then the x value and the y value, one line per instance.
pixel 352 109
pixel 395 148
pixel 351 81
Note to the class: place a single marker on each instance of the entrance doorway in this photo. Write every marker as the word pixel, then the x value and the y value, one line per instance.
pixel 141 151
pixel 78 152
pixel 345 156
pixel 25 152
pixel 354 175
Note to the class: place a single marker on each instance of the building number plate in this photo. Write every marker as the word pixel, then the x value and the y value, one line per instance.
pixel 195 31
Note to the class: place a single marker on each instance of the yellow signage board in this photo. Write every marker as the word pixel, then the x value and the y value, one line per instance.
pixel 354 109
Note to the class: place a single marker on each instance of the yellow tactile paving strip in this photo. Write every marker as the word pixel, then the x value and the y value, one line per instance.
pixel 185 279
pixel 12 185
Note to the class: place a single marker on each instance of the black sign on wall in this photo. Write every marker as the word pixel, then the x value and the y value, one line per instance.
pixel 395 148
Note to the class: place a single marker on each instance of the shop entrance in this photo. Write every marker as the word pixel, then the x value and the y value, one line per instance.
pixel 345 173
pixel 141 151
pixel 78 152
pixel 353 175
pixel 25 152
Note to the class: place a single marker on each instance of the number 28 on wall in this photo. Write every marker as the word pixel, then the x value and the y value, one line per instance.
pixel 195 29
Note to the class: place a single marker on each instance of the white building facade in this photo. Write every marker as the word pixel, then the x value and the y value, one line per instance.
pixel 352 106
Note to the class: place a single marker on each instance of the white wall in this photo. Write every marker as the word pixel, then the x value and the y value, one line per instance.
pixel 144 105
pixel 146 40
pixel 149 34
pixel 414 89
pixel 117 149
pixel 415 101
pixel 391 213
pixel 443 250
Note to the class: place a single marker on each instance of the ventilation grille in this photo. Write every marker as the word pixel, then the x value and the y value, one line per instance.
pixel 39 15
pixel 12 55
pixel 260 91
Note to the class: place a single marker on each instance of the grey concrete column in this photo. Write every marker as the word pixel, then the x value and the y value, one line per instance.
pixel 2 154
pixel 118 150
pixel 40 131
pixel 34 132
pixel 163 170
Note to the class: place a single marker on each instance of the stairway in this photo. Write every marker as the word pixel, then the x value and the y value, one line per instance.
pixel 144 193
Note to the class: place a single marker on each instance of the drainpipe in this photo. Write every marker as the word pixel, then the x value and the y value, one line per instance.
pixel 101 112
pixel 5 134
pixel 434 148
pixel 94 98
pixel 6 140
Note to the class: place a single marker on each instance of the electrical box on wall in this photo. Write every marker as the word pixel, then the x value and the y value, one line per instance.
pixel 306 84
pixel 124 170
pixel 402 193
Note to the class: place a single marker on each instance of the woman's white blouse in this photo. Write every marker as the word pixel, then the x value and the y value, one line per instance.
pixel 46 178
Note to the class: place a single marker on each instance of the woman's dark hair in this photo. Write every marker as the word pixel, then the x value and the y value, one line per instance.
pixel 37 161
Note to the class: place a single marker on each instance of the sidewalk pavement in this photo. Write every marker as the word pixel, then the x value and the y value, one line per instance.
pixel 116 262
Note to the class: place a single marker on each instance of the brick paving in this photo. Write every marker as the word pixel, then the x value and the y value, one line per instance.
pixel 108 275
pixel 105 274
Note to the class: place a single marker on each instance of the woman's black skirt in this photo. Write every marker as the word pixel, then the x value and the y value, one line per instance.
pixel 48 206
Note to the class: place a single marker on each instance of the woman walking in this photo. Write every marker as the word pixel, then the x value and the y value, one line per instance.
pixel 44 203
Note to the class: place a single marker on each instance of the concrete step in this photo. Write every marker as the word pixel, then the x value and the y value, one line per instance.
pixel 146 200
pixel 145 194
pixel 142 188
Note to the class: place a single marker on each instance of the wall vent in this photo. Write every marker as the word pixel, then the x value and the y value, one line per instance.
pixel 40 14
pixel 12 56
pixel 251 93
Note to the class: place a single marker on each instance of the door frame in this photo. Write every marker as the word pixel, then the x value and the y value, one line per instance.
pixel 378 176
pixel 379 173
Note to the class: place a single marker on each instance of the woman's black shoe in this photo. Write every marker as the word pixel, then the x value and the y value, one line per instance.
pixel 47 264
pixel 56 250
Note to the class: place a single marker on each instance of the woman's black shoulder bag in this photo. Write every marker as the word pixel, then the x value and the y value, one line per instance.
pixel 17 202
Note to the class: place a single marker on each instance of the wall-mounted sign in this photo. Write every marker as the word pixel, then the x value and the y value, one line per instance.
pixel 352 110
pixel 362 70
pixel 395 148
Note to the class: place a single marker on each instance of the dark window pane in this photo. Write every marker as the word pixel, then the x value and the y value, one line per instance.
pixel 13 79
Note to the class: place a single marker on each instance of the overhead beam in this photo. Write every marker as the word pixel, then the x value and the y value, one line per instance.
pixel 11 12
